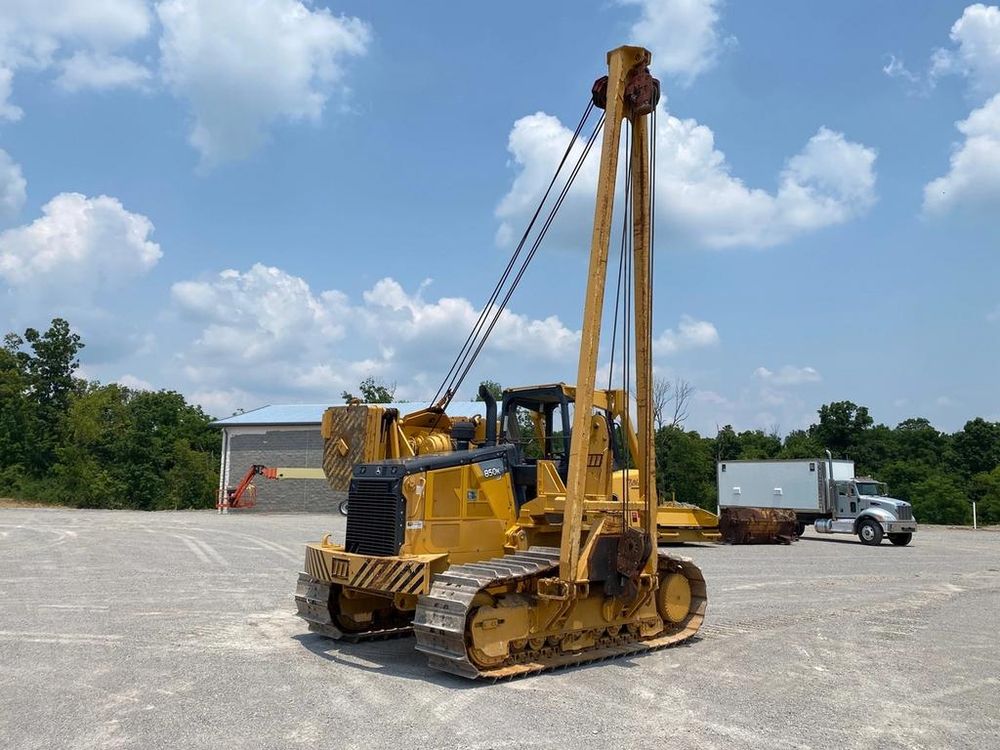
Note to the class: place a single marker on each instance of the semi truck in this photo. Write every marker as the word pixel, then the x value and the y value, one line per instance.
pixel 822 492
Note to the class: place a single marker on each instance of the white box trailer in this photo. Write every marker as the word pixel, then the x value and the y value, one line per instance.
pixel 823 492
pixel 798 485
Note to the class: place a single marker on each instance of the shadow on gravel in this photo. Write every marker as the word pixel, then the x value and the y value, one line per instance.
pixel 834 540
pixel 396 657
pixel 399 658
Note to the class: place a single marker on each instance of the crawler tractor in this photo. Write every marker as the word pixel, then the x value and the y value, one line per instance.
pixel 525 541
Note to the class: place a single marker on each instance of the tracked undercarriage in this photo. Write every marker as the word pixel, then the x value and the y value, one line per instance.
pixel 486 619
pixel 328 609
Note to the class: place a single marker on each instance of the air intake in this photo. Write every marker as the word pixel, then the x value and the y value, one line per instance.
pixel 377 518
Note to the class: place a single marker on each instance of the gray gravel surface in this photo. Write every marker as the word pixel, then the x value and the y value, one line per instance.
pixel 176 630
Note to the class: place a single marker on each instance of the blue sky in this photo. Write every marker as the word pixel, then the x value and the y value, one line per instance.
pixel 266 202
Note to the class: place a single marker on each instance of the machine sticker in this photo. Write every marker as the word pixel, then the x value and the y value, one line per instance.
pixel 414 524
pixel 495 467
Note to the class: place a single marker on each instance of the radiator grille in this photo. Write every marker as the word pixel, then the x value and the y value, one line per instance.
pixel 377 517
pixel 905 512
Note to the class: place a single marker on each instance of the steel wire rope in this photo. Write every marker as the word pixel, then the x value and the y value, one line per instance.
pixel 459 378
pixel 477 327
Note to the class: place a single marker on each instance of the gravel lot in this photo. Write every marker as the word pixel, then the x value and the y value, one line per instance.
pixel 123 629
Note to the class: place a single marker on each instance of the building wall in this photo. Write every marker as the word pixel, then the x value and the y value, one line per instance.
pixel 281 447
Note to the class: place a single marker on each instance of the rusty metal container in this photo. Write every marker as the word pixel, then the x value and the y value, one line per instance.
pixel 758 525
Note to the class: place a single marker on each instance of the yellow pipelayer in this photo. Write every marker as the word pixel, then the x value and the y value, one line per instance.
pixel 507 563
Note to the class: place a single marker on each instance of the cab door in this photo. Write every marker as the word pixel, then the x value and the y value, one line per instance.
pixel 847 500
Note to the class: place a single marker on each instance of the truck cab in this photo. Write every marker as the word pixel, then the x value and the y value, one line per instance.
pixel 862 506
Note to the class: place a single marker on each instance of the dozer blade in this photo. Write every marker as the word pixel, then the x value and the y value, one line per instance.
pixel 677 523
pixel 444 616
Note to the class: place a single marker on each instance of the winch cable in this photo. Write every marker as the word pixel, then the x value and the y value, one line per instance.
pixel 496 313
pixel 476 329
pixel 491 312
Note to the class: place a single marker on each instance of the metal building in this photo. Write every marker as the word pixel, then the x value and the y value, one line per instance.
pixel 288 436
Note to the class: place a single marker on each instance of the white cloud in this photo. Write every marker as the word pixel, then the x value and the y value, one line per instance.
pixel 258 315
pixel 788 375
pixel 682 35
pixel 8 111
pixel 89 70
pixel 401 320
pixel 973 179
pixel 223 402
pixel 977 36
pixel 894 68
pixel 37 34
pixel 243 66
pixel 830 181
pixel 136 384
pixel 77 246
pixel 265 335
pixel 13 186
pixel 240 66
pixel 690 334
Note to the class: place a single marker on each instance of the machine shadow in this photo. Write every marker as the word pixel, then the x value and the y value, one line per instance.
pixel 399 658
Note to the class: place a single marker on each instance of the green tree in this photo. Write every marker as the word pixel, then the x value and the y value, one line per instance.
pixel 941 499
pixel 373 391
pixel 757 444
pixel 917 440
pixel 977 446
pixel 126 449
pixel 800 444
pixel 985 489
pixel 902 477
pixel 493 387
pixel 727 444
pixel 16 419
pixel 841 424
pixel 685 466
pixel 46 362
pixel 873 448
pixel 51 364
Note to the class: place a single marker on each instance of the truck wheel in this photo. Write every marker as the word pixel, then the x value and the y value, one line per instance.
pixel 342 507
pixel 870 532
pixel 900 540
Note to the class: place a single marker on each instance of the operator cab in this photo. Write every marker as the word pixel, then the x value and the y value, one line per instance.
pixel 539 421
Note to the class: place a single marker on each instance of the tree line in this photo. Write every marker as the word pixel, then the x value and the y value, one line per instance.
pixel 75 442
pixel 939 473
pixel 67 440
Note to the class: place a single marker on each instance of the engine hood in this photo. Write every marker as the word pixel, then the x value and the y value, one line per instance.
pixel 888 503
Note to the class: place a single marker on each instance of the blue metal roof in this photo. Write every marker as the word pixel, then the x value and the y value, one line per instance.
pixel 312 414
